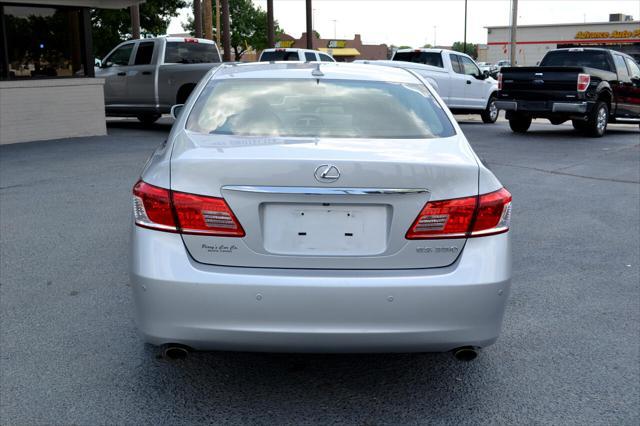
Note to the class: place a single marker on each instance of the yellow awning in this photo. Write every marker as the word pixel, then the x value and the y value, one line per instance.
pixel 342 51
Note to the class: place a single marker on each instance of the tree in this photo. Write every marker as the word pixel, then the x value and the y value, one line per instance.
pixel 248 26
pixel 472 49
pixel 111 26
pixel 427 46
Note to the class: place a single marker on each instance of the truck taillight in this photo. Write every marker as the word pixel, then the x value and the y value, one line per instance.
pixel 165 210
pixel 583 82
pixel 487 214
pixel 499 81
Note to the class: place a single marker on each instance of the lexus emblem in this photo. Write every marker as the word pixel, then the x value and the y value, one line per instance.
pixel 327 173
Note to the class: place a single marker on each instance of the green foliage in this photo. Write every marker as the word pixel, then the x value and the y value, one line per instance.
pixel 427 46
pixel 248 26
pixel 404 47
pixel 472 49
pixel 112 26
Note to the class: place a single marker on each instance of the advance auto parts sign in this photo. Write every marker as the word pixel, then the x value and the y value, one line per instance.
pixel 607 34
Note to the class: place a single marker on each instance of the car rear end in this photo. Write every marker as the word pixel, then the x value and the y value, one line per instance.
pixel 341 212
pixel 280 54
pixel 563 86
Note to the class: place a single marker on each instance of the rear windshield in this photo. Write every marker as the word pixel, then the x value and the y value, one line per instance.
pixel 427 58
pixel 586 58
pixel 190 53
pixel 279 55
pixel 319 108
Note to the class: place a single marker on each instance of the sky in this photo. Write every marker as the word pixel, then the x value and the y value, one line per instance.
pixel 417 22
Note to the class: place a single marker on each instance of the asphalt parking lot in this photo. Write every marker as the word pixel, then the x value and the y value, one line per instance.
pixel 569 352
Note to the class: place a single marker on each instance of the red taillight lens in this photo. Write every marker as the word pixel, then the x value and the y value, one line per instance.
pixel 154 208
pixel 499 81
pixel 487 214
pixel 583 82
pixel 198 214
pixel 494 214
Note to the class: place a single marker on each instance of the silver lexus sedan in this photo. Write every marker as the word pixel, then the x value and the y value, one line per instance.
pixel 318 208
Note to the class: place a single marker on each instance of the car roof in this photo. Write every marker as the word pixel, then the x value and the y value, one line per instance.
pixel 599 49
pixel 301 70
pixel 289 49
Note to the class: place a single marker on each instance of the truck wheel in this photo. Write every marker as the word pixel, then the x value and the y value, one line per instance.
pixel 148 119
pixel 596 124
pixel 519 123
pixel 490 114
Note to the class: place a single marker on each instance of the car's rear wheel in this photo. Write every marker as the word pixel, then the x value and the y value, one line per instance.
pixel 148 119
pixel 490 114
pixel 596 124
pixel 520 123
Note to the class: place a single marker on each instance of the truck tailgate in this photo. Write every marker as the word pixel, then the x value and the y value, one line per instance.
pixel 539 83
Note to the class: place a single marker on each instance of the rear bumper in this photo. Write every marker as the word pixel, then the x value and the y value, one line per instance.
pixel 226 308
pixel 545 107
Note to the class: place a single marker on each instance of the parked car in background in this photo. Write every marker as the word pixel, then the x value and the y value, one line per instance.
pixel 145 78
pixel 455 76
pixel 498 65
pixel 292 54
pixel 484 66
pixel 320 207
pixel 589 86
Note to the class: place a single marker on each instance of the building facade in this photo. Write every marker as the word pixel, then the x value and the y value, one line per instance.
pixel 47 84
pixel 533 41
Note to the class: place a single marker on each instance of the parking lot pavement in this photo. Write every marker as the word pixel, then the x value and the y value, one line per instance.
pixel 568 353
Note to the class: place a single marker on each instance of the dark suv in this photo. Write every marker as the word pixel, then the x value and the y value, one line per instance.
pixel 590 87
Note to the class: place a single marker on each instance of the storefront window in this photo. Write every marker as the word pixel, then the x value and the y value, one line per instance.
pixel 42 42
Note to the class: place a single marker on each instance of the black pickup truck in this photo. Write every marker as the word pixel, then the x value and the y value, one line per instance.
pixel 590 87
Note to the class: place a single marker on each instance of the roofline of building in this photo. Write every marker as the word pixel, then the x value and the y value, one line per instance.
pixel 576 24
pixel 98 4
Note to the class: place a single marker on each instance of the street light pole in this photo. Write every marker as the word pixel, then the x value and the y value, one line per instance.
pixel 464 43
pixel 134 11
pixel 271 36
pixel 309 25
pixel 514 26
pixel 335 21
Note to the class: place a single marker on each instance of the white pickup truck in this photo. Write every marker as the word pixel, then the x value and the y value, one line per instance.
pixel 294 54
pixel 455 76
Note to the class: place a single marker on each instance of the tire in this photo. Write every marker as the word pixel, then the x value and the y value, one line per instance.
pixel 596 124
pixel 490 114
pixel 519 123
pixel 148 119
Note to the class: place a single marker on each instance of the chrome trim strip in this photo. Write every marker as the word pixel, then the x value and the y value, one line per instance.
pixel 298 190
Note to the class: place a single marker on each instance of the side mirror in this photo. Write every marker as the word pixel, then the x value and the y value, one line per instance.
pixel 485 73
pixel 175 110
pixel 106 64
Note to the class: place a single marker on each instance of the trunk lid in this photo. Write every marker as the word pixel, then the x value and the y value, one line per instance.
pixel 293 220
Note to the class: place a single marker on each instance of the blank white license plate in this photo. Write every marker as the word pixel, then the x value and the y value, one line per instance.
pixel 333 230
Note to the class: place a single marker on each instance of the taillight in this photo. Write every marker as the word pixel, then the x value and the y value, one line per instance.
pixel 499 81
pixel 583 82
pixel 198 214
pixel 159 208
pixel 152 207
pixel 488 214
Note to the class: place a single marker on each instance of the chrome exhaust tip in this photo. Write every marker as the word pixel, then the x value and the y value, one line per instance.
pixel 466 353
pixel 174 351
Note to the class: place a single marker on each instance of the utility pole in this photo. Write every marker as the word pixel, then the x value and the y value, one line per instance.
pixel 226 31
pixel 309 25
pixel 271 36
pixel 514 26
pixel 464 43
pixel 218 23
pixel 207 19
pixel 134 11
pixel 197 18
pixel 335 21
pixel 434 36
